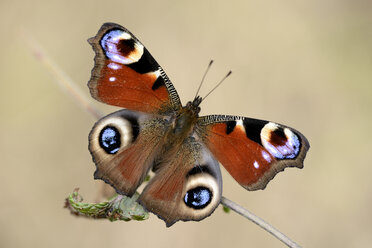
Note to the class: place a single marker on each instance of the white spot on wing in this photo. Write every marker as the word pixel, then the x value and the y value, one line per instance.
pixel 124 36
pixel 266 156
pixel 112 79
pixel 256 165
pixel 113 66
pixel 239 124
pixel 155 74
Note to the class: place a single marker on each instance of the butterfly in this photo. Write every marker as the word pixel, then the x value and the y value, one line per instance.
pixel 155 132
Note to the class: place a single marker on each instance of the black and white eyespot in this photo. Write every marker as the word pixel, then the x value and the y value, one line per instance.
pixel 203 188
pixel 121 47
pixel 112 134
pixel 198 193
pixel 280 141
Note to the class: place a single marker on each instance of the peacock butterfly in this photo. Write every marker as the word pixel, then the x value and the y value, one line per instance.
pixel 155 132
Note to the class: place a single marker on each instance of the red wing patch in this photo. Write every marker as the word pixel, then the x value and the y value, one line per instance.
pixel 121 86
pixel 244 159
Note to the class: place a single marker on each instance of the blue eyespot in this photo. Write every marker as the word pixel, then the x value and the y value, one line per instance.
pixel 198 198
pixel 109 139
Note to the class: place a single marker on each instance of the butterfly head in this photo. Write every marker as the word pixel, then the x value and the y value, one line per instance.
pixel 194 105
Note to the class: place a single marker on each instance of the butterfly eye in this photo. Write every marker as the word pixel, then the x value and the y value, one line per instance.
pixel 198 198
pixel 109 139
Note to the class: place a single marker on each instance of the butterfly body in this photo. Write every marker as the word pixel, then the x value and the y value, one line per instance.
pixel 183 123
pixel 156 132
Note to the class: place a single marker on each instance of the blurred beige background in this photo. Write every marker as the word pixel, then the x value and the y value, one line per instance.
pixel 306 64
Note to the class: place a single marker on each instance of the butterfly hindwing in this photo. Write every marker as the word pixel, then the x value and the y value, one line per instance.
pixel 252 151
pixel 126 75
pixel 123 146
pixel 187 185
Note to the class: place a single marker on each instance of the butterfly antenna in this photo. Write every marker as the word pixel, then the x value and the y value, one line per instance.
pixel 215 87
pixel 205 73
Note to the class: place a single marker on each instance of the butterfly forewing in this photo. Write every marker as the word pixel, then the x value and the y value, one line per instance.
pixel 252 151
pixel 126 75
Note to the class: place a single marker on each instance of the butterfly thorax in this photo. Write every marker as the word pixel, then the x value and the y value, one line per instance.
pixel 184 122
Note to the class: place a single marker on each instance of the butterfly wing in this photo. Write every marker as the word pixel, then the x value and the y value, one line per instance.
pixel 126 75
pixel 187 185
pixel 124 145
pixel 252 151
